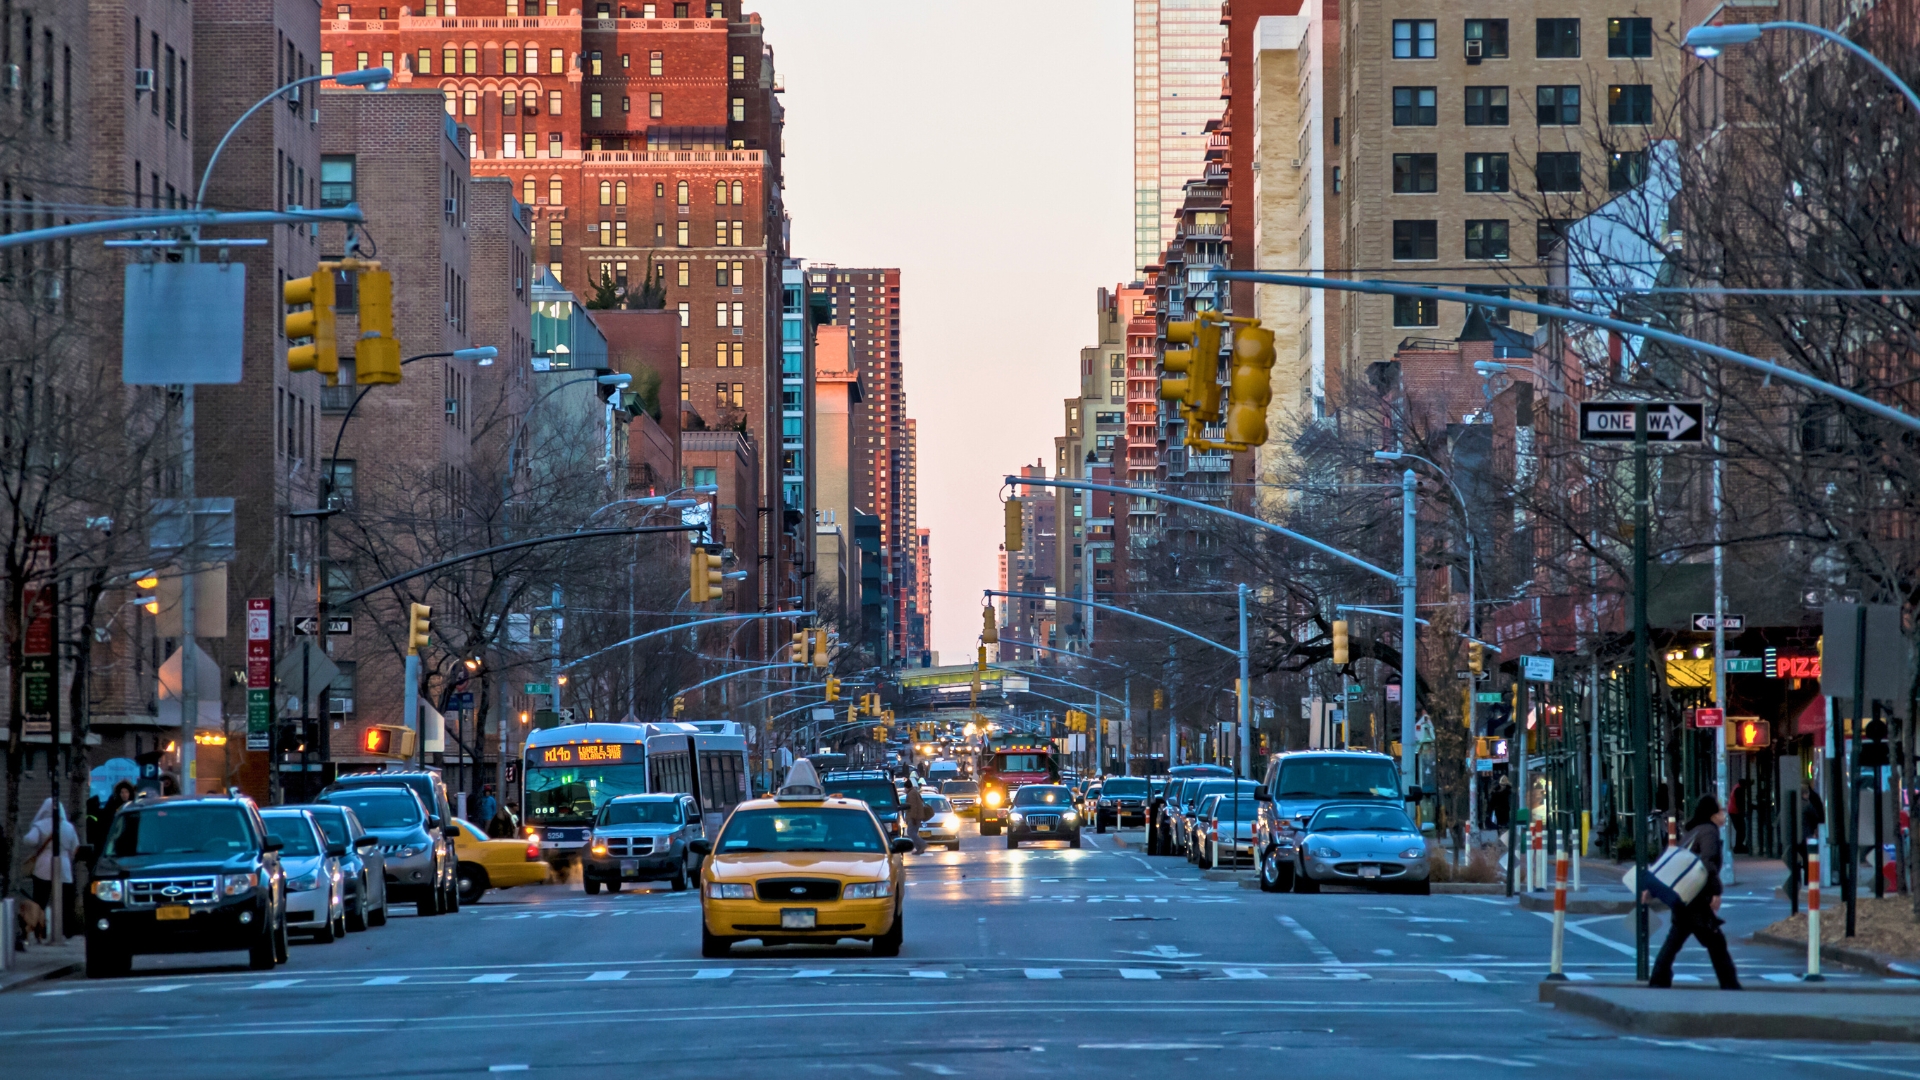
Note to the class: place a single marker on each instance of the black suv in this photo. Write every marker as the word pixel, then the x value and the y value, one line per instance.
pixel 186 874
pixel 873 787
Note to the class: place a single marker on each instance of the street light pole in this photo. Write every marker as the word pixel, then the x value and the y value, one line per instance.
pixel 1708 42
pixel 1245 687
pixel 1409 586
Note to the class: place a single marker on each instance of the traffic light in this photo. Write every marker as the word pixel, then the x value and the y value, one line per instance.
pixel 376 358
pixel 1341 651
pixel 1250 386
pixel 388 740
pixel 419 628
pixel 1748 733
pixel 799 653
pixel 989 630
pixel 1015 525
pixel 980 662
pixel 833 688
pixel 704 581
pixel 314 325
pixel 1476 657
pixel 679 706
pixel 1198 386
pixel 1159 698
pixel 820 649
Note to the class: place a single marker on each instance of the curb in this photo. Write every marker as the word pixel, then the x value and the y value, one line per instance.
pixel 1576 905
pixel 1865 959
pixel 1229 875
pixel 1693 1014
pixel 1472 888
pixel 9 981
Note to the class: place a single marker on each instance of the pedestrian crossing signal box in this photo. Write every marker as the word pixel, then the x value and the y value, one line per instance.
pixel 388 740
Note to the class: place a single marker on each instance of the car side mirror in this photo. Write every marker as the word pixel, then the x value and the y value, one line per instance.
pixel 338 851
pixel 451 832
pixel 702 848
pixel 1261 794
pixel 272 844
pixel 432 823
pixel 901 846
pixel 367 842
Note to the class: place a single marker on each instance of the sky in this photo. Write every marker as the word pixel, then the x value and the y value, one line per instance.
pixel 984 148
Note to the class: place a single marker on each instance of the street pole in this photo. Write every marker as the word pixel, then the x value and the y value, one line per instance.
pixel 1642 705
pixel 1846 789
pixel 1126 731
pixel 189 589
pixel 410 697
pixel 1246 717
pixel 1408 641
pixel 1720 660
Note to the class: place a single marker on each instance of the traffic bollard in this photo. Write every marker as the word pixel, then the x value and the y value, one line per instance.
pixel 1576 864
pixel 1536 857
pixel 1557 971
pixel 1213 845
pixel 1813 914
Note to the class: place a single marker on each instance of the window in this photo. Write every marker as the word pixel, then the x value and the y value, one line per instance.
pixel 593 105
pixel 739 191
pixel 720 354
pixel 449 60
pixel 680 191
pixel 509 103
pixel 739 395
pixel 683 273
pixel 1630 104
pixel 606 193
pixel 620 193
pixel 739 69
pixel 739 109
pixel 470 62
pixel 553 144
pixel 1492 36
pixel 719 234
pixel 619 234
pixel 1413 39
pixel 1558 171
pixel 556 234
pixel 1413 174
pixel 720 276
pixel 423 64
pixel 326 63
pixel 626 103
pixel 510 61
pixel 1415 106
pixel 720 193
pixel 1629 38
pixel 739 234
pixel 336 180
pixel 1547 235
pixel 471 103
pixel 509 144
pixel 1487 239
pixel 1486 173
pixel 686 315
pixel 529 189
pixel 1626 170
pixel 1558 105
pixel 593 62
pixel 554 192
pixel 1416 240
pixel 720 314
pixel 656 61
pixel 553 103
pixel 1493 314
pixel 659 190
pixel 1557 39
pixel 1415 311
pixel 686 353
pixel 1116 390
pixel 681 234
pixel 1486 106
pixel 739 314
pixel 706 477
pixel 656 106
pixel 556 62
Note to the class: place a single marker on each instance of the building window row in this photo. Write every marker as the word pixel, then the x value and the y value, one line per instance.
pixel 1554 106
pixel 1554 39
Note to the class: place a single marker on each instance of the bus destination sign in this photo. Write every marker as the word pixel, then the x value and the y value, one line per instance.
pixel 582 753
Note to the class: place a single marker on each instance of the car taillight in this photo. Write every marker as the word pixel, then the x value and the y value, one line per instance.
pixel 533 848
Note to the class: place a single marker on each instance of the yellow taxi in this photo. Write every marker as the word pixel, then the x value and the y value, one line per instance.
pixel 486 863
pixel 801 867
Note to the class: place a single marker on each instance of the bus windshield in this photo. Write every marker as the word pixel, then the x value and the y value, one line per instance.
pixel 573 794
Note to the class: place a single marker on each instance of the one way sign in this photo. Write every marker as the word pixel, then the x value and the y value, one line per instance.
pixel 1667 421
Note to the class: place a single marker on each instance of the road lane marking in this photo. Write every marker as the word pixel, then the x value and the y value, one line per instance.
pixel 713 973
pixel 921 973
pixel 163 988
pixel 1149 1046
pixel 606 976
pixel 1043 973
pixel 506 1068
pixel 276 984
pixel 385 980
pixel 1508 1062
pixel 1579 976
pixel 1243 973
pixel 1462 975
pixel 1582 931
pixel 1780 976
pixel 1442 937
pixel 1139 973
pixel 493 977
pixel 812 973
pixel 937 1070
pixel 1320 952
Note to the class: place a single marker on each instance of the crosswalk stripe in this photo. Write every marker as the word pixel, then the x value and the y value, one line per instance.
pixel 1139 973
pixel 1461 975
pixel 276 984
pixel 493 977
pixel 1780 976
pixel 1243 973
pixel 713 973
pixel 812 973
pixel 924 974
pixel 1043 973
pixel 385 980
pixel 163 988
pixel 1579 976
pixel 606 976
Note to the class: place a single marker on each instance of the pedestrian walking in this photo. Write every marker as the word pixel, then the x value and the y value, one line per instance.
pixel 52 850
pixel 917 812
pixel 1700 917
pixel 1813 814
pixel 1500 803
pixel 488 804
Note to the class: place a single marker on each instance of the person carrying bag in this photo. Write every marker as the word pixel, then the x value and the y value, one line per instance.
pixel 1687 878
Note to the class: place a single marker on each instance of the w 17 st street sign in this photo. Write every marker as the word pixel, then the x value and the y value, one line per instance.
pixel 1667 421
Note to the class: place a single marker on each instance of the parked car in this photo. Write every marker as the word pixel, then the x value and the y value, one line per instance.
pixel 1372 844
pixel 186 874
pixel 1194 815
pixel 362 867
pixel 1122 802
pixel 1042 812
pixel 426 784
pixel 964 795
pixel 413 851
pixel 1298 784
pixel 1224 822
pixel 316 895
pixel 642 838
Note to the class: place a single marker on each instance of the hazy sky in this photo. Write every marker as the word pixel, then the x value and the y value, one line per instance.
pixel 985 149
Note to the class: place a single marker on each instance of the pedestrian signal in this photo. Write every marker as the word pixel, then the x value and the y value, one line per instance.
pixel 388 740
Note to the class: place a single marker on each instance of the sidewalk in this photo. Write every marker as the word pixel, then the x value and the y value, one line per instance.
pixel 42 962
pixel 1828 1013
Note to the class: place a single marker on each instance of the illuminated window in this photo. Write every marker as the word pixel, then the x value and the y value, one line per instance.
pixel 655 62
pixel 470 62
pixel 683 273
pixel 554 192
pixel 656 106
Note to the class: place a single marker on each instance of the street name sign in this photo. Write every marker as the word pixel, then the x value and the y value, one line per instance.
pixel 1727 622
pixel 336 624
pixel 1746 665
pixel 1667 421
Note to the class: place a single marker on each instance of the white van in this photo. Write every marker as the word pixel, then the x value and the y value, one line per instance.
pixel 942 770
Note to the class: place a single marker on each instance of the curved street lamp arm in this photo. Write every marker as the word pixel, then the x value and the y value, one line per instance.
pixel 677 626
pixel 1117 610
pixel 497 549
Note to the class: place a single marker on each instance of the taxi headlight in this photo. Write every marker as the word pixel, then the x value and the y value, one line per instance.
pixel 868 890
pixel 728 891
pixel 113 891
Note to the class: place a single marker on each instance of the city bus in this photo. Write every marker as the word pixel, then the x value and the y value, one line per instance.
pixel 706 759
pixel 571 771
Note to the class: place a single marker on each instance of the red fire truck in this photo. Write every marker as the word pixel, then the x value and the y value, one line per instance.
pixel 1009 765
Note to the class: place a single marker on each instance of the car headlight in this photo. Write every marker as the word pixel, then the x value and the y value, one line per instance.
pixel 1324 852
pixel 950 821
pixel 303 882
pixel 408 851
pixel 868 890
pixel 1069 817
pixel 235 884
pixel 727 891
pixel 1413 853
pixel 113 891
pixel 993 798
pixel 599 847
pixel 1016 817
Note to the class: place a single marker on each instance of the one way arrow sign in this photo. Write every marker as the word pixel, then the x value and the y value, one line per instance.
pixel 1667 421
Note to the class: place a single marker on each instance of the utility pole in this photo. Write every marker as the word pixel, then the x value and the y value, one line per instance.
pixel 1246 719
pixel 1642 705
pixel 1720 660
pixel 1409 587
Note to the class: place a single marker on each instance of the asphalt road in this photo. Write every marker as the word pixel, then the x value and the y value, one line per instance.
pixel 1041 962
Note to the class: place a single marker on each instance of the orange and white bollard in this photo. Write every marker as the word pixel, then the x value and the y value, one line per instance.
pixel 1813 912
pixel 1556 970
pixel 1213 844
pixel 1537 856
pixel 1673 831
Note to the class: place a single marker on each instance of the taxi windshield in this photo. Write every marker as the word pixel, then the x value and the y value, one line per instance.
pixel 797 829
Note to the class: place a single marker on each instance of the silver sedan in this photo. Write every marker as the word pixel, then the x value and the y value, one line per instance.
pixel 1368 844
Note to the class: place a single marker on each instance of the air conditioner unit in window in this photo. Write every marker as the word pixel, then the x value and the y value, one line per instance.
pixel 453 406
pixel 451 209
pixel 1474 47
pixel 10 77
pixel 1296 163
pixel 142 79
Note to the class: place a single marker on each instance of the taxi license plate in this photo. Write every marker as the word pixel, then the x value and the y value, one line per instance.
pixel 1369 871
pixel 169 912
pixel 629 866
pixel 798 918
pixel 1043 828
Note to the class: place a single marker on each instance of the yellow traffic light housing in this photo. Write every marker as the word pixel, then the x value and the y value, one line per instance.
pixel 314 324
pixel 1476 657
pixel 1197 386
pixel 376 357
pixel 798 654
pixel 989 629
pixel 1250 387
pixel 1159 698
pixel 1341 652
pixel 1016 525
pixel 705 581
pixel 821 649
pixel 833 688
pixel 419 628
pixel 679 706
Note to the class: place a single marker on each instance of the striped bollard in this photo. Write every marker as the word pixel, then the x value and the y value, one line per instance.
pixel 1537 860
pixel 1813 913
pixel 1557 970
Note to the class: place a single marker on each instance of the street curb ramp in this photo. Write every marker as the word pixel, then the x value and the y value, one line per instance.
pixel 1823 1015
